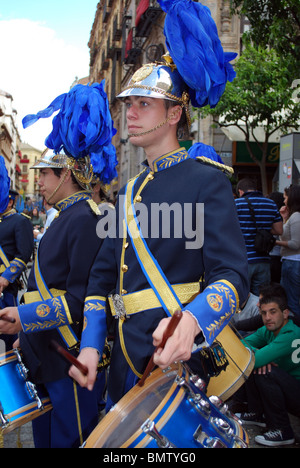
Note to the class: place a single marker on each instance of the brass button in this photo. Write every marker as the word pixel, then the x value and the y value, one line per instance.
pixel 138 199
pixel 126 245
pixel 123 291
pixel 150 176
pixel 124 268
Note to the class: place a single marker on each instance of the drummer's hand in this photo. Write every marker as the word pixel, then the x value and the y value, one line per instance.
pixel 3 283
pixel 7 327
pixel 90 358
pixel 179 346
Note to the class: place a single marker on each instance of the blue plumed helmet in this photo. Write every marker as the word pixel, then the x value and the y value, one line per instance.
pixel 4 185
pixel 196 68
pixel 194 45
pixel 81 137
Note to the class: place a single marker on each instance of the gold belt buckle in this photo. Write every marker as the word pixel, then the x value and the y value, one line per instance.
pixel 119 306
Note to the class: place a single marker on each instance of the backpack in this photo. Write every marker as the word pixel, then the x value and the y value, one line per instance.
pixel 264 240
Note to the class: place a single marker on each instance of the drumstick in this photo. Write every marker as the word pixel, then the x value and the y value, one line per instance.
pixel 168 332
pixel 69 357
pixel 8 319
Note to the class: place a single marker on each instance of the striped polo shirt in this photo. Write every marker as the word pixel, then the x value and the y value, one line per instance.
pixel 266 214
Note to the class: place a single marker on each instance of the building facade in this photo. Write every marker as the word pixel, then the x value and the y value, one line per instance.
pixel 9 138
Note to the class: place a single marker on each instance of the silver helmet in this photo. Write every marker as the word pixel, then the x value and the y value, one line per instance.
pixel 81 167
pixel 159 80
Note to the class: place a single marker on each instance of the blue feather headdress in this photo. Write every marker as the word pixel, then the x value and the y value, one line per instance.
pixel 194 45
pixel 82 128
pixel 4 185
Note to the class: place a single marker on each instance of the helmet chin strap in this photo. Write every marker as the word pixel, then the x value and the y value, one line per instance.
pixel 152 129
pixel 57 188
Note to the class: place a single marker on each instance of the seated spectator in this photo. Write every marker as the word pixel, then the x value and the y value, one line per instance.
pixel 272 391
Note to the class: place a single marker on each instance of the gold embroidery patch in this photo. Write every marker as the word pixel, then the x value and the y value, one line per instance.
pixel 142 73
pixel 42 310
pixel 215 301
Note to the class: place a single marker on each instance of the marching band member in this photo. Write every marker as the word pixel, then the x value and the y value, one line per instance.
pixel 152 276
pixel 53 309
pixel 16 247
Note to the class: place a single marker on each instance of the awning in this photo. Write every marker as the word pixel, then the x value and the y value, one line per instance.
pixel 234 133
pixel 142 7
pixel 128 45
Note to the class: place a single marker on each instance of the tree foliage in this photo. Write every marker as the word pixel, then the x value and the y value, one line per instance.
pixel 274 23
pixel 259 96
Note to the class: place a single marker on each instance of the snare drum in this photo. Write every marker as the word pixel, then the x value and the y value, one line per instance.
pixel 168 411
pixel 20 401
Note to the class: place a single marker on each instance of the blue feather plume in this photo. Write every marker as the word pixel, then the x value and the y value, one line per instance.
pixel 194 45
pixel 82 127
pixel 200 149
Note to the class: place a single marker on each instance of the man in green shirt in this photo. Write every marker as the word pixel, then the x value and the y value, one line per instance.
pixel 274 387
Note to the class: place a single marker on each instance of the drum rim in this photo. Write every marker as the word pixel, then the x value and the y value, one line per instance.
pixel 110 420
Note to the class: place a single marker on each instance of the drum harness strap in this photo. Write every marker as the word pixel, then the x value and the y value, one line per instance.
pixel 163 290
pixel 65 331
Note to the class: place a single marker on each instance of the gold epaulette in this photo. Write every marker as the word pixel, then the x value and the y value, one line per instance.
pixel 94 207
pixel 227 169
pixel 26 216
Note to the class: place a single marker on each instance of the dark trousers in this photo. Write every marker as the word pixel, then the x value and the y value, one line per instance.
pixel 8 300
pixel 73 417
pixel 274 394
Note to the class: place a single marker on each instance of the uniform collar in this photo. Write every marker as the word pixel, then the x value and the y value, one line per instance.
pixel 62 205
pixel 7 214
pixel 169 159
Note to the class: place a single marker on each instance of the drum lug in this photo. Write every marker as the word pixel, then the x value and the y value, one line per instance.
pixel 223 427
pixel 32 391
pixel 3 421
pixel 200 404
pixel 149 428
pixel 239 442
pixel 223 408
pixel 206 441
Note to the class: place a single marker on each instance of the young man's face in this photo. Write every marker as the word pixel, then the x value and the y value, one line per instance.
pixel 273 317
pixel 144 114
pixel 48 182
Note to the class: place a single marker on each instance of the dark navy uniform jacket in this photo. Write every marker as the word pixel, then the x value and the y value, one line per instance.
pixel 16 241
pixel 66 254
pixel 176 179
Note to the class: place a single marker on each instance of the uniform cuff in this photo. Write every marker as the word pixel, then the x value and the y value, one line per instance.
pixel 94 325
pixel 213 308
pixel 14 270
pixel 45 315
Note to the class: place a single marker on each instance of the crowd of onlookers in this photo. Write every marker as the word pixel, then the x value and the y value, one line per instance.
pixel 269 320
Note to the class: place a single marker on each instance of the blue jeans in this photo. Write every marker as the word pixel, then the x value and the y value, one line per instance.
pixel 290 280
pixel 259 274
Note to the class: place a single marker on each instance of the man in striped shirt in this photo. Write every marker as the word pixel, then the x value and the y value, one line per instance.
pixel 267 217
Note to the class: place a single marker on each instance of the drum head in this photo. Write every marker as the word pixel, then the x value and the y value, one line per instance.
pixel 123 423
